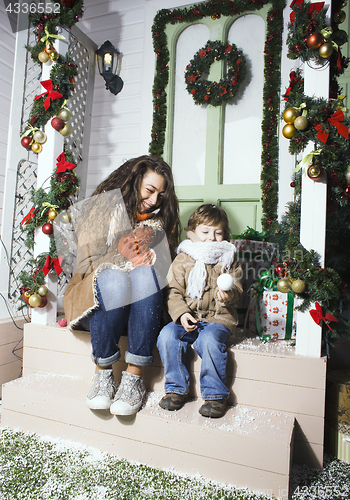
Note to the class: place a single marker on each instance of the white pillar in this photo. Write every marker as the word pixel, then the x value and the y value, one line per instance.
pixel 46 165
pixel 313 214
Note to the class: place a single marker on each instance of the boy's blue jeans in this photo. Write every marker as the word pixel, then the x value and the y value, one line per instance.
pixel 209 342
pixel 135 300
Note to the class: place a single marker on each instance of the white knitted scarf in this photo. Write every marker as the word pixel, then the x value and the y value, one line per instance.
pixel 205 252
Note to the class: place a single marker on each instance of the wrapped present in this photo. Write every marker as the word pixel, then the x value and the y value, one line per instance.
pixel 272 315
pixel 337 434
pixel 255 258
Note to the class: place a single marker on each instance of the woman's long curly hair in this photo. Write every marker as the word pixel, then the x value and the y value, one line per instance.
pixel 128 179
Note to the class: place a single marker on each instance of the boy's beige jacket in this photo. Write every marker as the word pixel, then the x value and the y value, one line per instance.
pixel 208 308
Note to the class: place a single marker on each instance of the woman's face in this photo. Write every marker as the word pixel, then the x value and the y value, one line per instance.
pixel 151 191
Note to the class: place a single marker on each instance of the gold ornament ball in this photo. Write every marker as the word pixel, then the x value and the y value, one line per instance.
pixel 339 17
pixel 65 114
pixel 301 123
pixel 298 286
pixel 283 285
pixel 40 137
pixel 288 131
pixel 43 57
pixel 314 172
pixel 326 50
pixel 65 217
pixel 52 214
pixel 36 147
pixel 27 294
pixel 34 300
pixel 54 55
pixel 66 130
pixel 290 115
pixel 43 290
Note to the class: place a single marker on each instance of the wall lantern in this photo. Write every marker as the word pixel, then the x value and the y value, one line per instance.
pixel 107 60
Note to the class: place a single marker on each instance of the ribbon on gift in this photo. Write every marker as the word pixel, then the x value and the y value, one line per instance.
pixel 30 216
pixel 317 315
pixel 63 165
pixel 266 280
pixel 51 94
pixel 250 234
pixel 47 36
pixel 53 263
pixel 335 120
pixel 289 319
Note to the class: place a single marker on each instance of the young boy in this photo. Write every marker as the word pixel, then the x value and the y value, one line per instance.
pixel 202 314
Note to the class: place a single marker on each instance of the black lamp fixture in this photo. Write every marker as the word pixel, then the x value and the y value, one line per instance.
pixel 107 60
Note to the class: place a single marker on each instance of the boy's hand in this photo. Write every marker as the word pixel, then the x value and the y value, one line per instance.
pixel 187 321
pixel 224 296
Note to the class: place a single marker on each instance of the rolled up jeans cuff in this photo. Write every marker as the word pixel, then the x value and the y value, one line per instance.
pixel 135 359
pixel 103 362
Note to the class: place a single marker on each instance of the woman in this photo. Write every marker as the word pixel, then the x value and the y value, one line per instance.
pixel 124 235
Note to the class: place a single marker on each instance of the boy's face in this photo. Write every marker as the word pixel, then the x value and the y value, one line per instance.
pixel 209 233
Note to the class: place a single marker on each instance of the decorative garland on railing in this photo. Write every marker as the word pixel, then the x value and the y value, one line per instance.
pixel 52 204
pixel 215 93
pixel 271 92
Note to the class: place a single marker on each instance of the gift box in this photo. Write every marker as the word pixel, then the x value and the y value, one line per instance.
pixel 255 257
pixel 272 315
pixel 337 435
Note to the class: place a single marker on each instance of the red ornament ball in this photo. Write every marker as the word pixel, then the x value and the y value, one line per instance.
pixel 43 301
pixel 292 184
pixel 47 229
pixel 347 192
pixel 315 40
pixel 26 141
pixel 57 123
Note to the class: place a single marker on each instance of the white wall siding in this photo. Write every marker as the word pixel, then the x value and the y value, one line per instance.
pixel 116 120
pixel 7 51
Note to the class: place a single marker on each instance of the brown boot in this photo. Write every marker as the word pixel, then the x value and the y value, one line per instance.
pixel 214 408
pixel 172 401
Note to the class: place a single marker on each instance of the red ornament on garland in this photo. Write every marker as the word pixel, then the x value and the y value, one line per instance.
pixel 43 301
pixel 47 229
pixel 347 192
pixel 57 123
pixel 26 142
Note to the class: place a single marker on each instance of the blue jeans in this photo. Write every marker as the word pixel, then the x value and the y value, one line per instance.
pixel 126 300
pixel 209 342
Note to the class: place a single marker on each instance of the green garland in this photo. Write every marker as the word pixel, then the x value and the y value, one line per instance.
pixel 215 93
pixel 63 182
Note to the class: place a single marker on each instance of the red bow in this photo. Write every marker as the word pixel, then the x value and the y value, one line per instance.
pixel 334 120
pixel 316 6
pixel 51 94
pixel 30 216
pixel 63 165
pixel 317 315
pixel 55 263
pixel 293 79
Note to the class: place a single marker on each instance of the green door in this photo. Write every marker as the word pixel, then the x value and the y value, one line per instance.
pixel 228 149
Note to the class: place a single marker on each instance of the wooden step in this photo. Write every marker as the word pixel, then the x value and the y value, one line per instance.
pixel 268 376
pixel 248 447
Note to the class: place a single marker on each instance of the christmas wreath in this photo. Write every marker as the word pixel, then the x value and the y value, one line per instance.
pixel 204 91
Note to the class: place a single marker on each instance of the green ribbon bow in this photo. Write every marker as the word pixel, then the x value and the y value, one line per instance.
pixel 47 36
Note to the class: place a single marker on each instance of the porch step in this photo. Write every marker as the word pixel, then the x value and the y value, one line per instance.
pixel 248 447
pixel 267 376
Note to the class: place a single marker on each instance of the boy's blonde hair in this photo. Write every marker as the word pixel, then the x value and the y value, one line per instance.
pixel 211 215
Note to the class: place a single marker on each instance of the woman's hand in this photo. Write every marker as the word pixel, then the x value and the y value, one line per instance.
pixel 134 247
pixel 187 321
pixel 224 296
